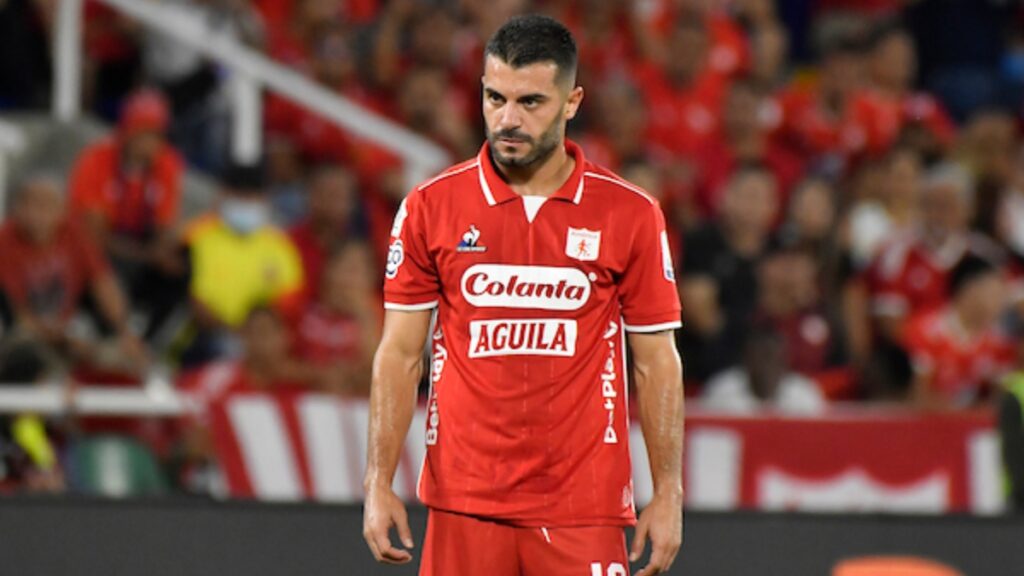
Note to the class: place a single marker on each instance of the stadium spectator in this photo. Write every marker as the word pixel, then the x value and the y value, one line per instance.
pixel 333 219
pixel 811 224
pixel 816 115
pixel 337 333
pixel 51 266
pixel 127 187
pixel 28 453
pixel 727 250
pixel 959 351
pixel 987 146
pixel 910 274
pixel 239 261
pixel 427 105
pixel 890 105
pixel 742 138
pixel 793 331
pixel 113 63
pixel 192 84
pixel 886 203
pixel 683 96
pixel 264 365
pixel 24 54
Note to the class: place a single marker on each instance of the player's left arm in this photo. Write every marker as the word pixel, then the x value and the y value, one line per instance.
pixel 658 374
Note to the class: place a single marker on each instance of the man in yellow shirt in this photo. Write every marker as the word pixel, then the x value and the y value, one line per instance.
pixel 239 260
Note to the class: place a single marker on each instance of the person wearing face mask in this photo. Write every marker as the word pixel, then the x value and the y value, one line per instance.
pixel 239 260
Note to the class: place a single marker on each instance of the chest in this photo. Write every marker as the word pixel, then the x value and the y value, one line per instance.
pixel 557 258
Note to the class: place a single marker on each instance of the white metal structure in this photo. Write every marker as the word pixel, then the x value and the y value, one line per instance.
pixel 252 72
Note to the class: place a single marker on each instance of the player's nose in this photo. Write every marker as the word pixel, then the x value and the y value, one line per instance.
pixel 509 118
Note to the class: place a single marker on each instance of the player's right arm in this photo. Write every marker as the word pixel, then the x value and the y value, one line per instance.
pixel 397 367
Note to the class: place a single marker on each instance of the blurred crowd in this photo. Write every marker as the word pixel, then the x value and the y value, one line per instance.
pixel 843 181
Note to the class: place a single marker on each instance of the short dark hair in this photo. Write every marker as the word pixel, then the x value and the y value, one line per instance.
pixel 970 268
pixel 534 38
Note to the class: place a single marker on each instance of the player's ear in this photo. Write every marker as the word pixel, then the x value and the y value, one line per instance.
pixel 572 103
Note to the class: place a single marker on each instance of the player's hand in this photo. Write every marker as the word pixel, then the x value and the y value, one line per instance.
pixel 662 522
pixel 383 509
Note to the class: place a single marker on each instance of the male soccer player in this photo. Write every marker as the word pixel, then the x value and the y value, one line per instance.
pixel 541 267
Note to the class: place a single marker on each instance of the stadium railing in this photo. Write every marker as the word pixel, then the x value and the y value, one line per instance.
pixel 251 72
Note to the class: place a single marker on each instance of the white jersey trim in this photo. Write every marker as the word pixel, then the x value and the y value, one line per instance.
pixel 653 327
pixel 483 185
pixel 444 175
pixel 622 183
pixel 410 307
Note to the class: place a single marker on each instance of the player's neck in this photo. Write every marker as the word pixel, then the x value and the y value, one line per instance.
pixel 541 180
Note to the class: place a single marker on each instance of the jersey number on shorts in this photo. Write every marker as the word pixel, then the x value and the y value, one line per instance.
pixel 614 569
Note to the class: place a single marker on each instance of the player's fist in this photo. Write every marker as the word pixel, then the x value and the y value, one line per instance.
pixel 382 510
pixel 662 522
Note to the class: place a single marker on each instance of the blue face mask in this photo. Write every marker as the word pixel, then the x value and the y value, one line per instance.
pixel 244 216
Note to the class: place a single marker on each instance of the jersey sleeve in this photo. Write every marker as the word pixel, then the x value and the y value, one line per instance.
pixel 647 289
pixel 411 280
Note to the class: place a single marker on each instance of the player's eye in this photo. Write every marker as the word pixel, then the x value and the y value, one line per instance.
pixel 495 98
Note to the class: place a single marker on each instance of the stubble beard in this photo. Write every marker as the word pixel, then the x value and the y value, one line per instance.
pixel 540 150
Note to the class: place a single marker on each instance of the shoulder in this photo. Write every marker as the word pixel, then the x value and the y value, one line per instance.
pixel 99 153
pixel 448 180
pixel 609 185
pixel 202 227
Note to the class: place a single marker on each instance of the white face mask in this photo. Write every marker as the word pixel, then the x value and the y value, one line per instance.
pixel 244 216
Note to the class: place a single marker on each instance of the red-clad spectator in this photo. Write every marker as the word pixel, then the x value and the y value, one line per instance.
pixel 793 321
pixel 410 35
pixel 890 104
pixel 815 116
pixel 113 51
pixel 290 39
pixel 265 365
pixel 728 52
pixel 329 225
pixel 682 98
pixel 339 331
pixel 742 139
pixel 332 63
pixel 128 189
pixel 617 136
pixel 910 275
pixel 50 265
pixel 959 351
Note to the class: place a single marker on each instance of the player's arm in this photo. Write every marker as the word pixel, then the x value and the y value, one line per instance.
pixel 397 367
pixel 658 374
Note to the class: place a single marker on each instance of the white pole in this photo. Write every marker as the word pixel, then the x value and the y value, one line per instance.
pixel 67 69
pixel 247 121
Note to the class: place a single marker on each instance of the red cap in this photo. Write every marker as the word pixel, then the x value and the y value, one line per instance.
pixel 144 110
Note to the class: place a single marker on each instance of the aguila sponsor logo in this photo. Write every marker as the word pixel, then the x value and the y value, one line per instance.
pixel 520 337
pixel 533 287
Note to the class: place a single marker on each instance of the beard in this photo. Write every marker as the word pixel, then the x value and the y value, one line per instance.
pixel 540 149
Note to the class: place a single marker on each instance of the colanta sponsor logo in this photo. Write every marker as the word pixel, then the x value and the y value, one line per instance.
pixel 521 337
pixel 531 287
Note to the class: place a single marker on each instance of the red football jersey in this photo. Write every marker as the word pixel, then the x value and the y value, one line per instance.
pixel 527 419
pixel 958 366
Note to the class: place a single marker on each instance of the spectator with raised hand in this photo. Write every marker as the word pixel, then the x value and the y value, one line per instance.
pixel 50 267
pixel 128 188
pixel 959 351
pixel 239 261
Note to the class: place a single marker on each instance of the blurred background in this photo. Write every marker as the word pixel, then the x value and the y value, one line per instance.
pixel 196 198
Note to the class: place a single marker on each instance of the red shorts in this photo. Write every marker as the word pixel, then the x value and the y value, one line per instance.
pixel 458 545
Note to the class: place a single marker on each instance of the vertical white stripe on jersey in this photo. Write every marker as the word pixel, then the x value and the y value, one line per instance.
pixel 261 434
pixel 327 449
